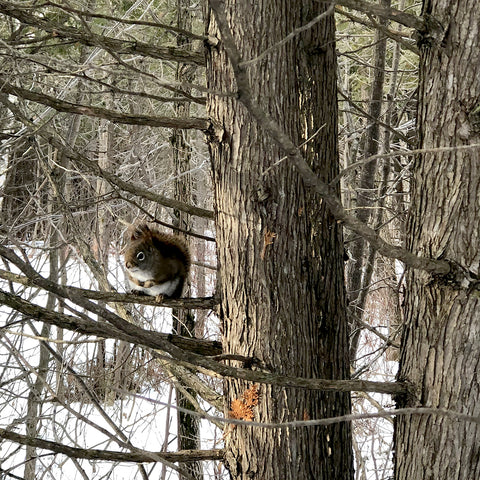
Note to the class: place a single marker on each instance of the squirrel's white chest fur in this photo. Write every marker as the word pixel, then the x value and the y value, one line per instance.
pixel 165 288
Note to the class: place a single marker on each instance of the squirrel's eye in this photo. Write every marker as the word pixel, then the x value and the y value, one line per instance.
pixel 140 256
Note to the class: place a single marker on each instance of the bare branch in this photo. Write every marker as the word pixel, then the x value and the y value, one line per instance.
pixel 173 344
pixel 181 349
pixel 84 13
pixel 139 456
pixel 206 303
pixel 372 119
pixel 356 416
pixel 398 37
pixel 381 413
pixel 406 153
pixel 197 303
pixel 176 54
pixel 386 13
pixel 111 115
pixel 94 167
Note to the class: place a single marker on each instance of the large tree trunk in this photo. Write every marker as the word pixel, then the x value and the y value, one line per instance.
pixel 280 252
pixel 441 345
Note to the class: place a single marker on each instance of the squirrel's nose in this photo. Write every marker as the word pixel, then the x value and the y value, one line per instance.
pixel 128 264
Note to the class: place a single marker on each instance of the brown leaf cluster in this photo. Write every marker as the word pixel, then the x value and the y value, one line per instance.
pixel 242 409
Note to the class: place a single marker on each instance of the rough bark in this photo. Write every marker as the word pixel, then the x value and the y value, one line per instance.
pixel 20 186
pixel 280 252
pixel 441 348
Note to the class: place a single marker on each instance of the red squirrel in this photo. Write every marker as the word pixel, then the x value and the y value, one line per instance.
pixel 157 263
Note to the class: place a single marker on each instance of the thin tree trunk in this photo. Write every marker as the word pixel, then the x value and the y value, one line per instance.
pixel 35 396
pixel 396 230
pixel 188 426
pixel 280 252
pixel 441 348
pixel 360 270
pixel 101 243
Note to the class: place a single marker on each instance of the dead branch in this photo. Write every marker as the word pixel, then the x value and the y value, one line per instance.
pixel 176 54
pixel 99 112
pixel 138 456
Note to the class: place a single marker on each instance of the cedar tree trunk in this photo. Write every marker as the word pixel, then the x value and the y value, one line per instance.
pixel 441 345
pixel 280 252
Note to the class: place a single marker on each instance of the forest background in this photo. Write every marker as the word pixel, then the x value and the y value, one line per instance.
pixel 176 113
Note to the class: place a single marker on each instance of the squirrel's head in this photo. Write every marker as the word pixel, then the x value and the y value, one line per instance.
pixel 156 254
pixel 141 250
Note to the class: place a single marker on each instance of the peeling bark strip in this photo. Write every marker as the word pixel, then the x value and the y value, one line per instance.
pixel 441 342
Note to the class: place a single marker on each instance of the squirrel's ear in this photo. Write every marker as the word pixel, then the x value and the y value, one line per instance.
pixel 139 231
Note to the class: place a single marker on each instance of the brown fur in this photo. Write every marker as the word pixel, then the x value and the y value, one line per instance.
pixel 157 259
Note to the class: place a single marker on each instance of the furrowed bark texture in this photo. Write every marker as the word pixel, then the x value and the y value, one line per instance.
pixel 441 346
pixel 283 295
